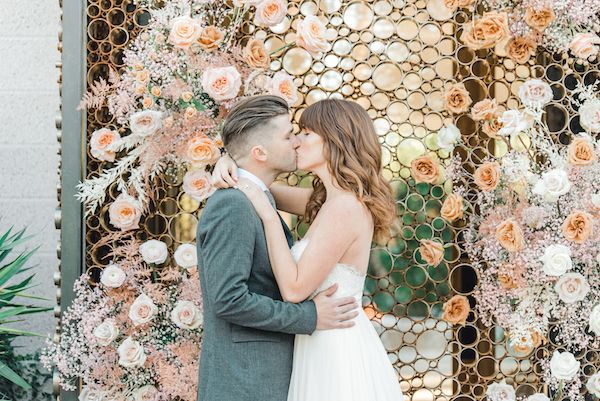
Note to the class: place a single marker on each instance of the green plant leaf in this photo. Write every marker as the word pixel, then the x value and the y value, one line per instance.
pixel 11 375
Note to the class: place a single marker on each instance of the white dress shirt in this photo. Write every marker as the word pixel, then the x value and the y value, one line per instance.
pixel 246 174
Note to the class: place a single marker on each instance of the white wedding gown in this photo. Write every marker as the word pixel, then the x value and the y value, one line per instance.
pixel 343 364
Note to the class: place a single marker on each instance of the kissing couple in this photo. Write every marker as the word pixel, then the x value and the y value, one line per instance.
pixel 283 320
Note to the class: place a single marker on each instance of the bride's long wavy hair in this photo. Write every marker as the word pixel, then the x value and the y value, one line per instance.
pixel 353 155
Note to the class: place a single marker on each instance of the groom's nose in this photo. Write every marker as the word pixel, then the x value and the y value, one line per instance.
pixel 296 142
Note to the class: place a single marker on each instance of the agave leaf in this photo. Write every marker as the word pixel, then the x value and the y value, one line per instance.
pixel 11 375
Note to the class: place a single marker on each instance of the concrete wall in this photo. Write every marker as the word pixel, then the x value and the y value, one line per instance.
pixel 29 102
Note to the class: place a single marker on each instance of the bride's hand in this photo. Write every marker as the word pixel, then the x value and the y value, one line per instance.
pixel 259 199
pixel 225 173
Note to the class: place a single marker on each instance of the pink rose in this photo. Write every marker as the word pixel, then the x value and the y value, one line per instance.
pixel 197 184
pixel 125 212
pixel 222 83
pixel 584 46
pixel 270 12
pixel 311 35
pixel 103 143
pixel 184 32
pixel 282 85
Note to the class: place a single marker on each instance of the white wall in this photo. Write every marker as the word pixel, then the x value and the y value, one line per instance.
pixel 29 102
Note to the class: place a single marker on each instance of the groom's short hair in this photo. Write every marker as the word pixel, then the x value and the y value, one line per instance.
pixel 245 119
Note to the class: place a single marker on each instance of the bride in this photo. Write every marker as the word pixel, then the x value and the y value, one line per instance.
pixel 349 206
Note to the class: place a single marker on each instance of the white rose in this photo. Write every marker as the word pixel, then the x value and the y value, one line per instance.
pixel 589 115
pixel 112 276
pixel 185 256
pixel 222 83
pixel 595 320
pixel 270 12
pixel 142 310
pixel 145 393
pixel 593 384
pixel 125 212
pixel 186 316
pixel 553 184
pixel 537 397
pixel 535 93
pixel 184 32
pixel 197 184
pixel 513 123
pixel 571 287
pixel 103 144
pixel 145 122
pixel 106 332
pixel 282 85
pixel 596 200
pixel 311 35
pixel 500 392
pixel 557 260
pixel 131 353
pixel 448 136
pixel 89 394
pixel 154 251
pixel 563 365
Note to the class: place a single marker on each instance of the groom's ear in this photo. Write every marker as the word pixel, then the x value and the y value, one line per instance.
pixel 258 153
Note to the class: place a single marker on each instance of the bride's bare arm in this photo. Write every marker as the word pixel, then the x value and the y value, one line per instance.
pixel 291 199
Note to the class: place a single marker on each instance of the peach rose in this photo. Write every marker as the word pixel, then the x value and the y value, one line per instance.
pixel 184 32
pixel 147 102
pixel 457 99
pixel 484 110
pixel 520 49
pixel 197 184
pixel 190 112
pixel 456 310
pixel 222 83
pixel 507 281
pixel 432 252
pixel 486 31
pixel 142 77
pixel 201 151
pixel 454 4
pixel 311 35
pixel 452 208
pixel 270 12
pixel 156 91
pixel 256 55
pixel 584 45
pixel 492 126
pixel 425 169
pixel 510 235
pixel 539 19
pixel 510 276
pixel 580 152
pixel 125 213
pixel 140 90
pixel 103 143
pixel 187 96
pixel 526 344
pixel 577 227
pixel 487 176
pixel 210 38
pixel 282 85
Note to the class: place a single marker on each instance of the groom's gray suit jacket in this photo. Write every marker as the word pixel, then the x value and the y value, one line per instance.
pixel 248 340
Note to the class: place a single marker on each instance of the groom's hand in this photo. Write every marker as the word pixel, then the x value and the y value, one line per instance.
pixel 334 313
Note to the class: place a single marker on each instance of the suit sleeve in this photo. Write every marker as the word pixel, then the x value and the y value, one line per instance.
pixel 226 243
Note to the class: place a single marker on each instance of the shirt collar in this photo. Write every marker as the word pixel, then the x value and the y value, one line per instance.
pixel 246 174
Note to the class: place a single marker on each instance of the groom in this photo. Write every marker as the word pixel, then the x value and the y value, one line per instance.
pixel 248 330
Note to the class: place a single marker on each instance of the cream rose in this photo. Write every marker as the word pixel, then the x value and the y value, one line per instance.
pixel 103 144
pixel 145 393
pixel 282 85
pixel 222 83
pixel 125 212
pixel 186 315
pixel 563 365
pixel 584 45
pixel 154 251
pixel 589 115
pixel 500 392
pixel 185 256
pixel 311 35
pixel 571 287
pixel 142 310
pixel 593 384
pixel 184 32
pixel 447 137
pixel 131 353
pixel 145 122
pixel 106 332
pixel 270 12
pixel 197 184
pixel 553 184
pixel 535 93
pixel 594 320
pixel 112 276
pixel 202 151
pixel 556 260
pixel 513 123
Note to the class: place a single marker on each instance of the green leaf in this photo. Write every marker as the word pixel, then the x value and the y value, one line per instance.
pixel 8 271
pixel 17 332
pixel 198 105
pixel 11 375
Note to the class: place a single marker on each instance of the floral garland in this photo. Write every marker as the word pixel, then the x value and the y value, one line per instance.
pixel 136 334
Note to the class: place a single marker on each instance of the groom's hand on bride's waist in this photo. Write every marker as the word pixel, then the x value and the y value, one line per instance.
pixel 335 313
